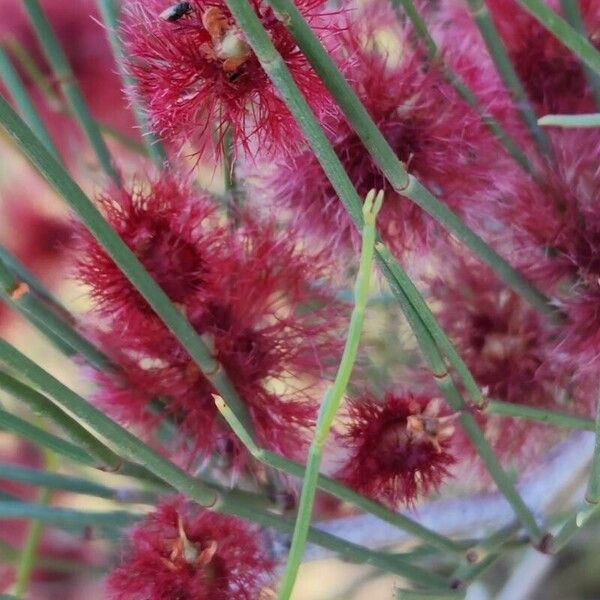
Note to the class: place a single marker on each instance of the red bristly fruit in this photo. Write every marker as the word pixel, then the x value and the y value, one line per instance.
pixel 440 139
pixel 399 448
pixel 252 294
pixel 183 551
pixel 196 71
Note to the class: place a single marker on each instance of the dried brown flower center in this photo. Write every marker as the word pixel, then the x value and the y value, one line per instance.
pixel 227 45
pixel 184 552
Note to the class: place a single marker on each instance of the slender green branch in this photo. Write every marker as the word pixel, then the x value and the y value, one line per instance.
pixel 32 308
pixel 462 89
pixel 66 78
pixel 576 121
pixel 43 407
pixel 385 157
pixel 334 396
pixel 32 70
pixel 592 495
pixel 505 68
pixel 130 446
pixel 66 517
pixel 76 485
pixel 34 535
pixel 570 37
pixel 110 15
pixel 431 324
pixel 482 556
pixel 19 94
pixel 571 527
pixel 520 411
pixel 44 439
pixel 23 274
pixel 572 14
pixel 56 175
pixel 28 557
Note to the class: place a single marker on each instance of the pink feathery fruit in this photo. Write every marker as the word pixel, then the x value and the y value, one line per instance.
pixel 398 448
pixel 173 231
pixel 506 345
pixel 195 70
pixel 250 292
pixel 183 551
pixel 438 137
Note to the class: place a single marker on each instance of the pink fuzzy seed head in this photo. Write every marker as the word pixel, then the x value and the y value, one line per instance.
pixel 398 448
pixel 172 231
pixel 183 551
pixel 440 140
pixel 263 322
pixel 195 71
pixel 506 345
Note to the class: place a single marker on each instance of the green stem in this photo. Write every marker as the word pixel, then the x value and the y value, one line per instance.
pixel 385 157
pixel 66 78
pixel 571 527
pixel 129 445
pixel 36 529
pixel 129 264
pixel 37 312
pixel 65 517
pixel 592 495
pixel 23 274
pixel 28 557
pixel 337 489
pixel 110 15
pixel 484 555
pixel 44 439
pixel 591 120
pixel 75 485
pixel 19 94
pixel 462 89
pixel 431 324
pixel 505 68
pixel 41 406
pixel 334 396
pixel 572 14
pixel 571 38
pixel 520 411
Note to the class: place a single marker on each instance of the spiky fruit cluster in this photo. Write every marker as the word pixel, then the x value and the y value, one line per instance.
pixel 435 134
pixel 196 71
pixel 185 552
pixel 398 448
pixel 249 292
pixel 507 346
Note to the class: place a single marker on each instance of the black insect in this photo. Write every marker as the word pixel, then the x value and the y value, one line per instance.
pixel 176 12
